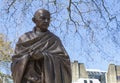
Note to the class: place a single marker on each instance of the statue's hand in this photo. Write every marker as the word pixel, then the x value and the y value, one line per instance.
pixel 36 55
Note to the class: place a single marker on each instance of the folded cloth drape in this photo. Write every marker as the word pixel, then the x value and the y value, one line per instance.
pixel 54 65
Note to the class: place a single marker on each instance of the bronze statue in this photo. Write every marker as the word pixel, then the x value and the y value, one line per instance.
pixel 40 56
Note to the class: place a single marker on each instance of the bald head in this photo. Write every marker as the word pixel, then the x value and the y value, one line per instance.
pixel 42 19
pixel 42 12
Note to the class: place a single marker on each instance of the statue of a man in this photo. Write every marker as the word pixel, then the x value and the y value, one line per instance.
pixel 40 56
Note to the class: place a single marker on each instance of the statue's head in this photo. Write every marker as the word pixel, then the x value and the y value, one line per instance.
pixel 42 19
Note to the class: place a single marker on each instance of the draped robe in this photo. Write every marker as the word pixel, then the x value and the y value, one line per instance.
pixel 55 62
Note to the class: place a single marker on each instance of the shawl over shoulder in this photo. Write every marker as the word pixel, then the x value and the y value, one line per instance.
pixel 57 68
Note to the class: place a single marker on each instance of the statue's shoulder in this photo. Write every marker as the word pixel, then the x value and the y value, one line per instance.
pixel 52 34
pixel 55 36
pixel 25 36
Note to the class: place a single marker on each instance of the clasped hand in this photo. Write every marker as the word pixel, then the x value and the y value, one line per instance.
pixel 36 55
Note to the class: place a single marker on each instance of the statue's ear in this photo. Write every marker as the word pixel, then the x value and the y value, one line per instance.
pixel 33 19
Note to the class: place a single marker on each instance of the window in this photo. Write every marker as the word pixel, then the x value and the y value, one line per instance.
pixel 91 81
pixel 85 81
pixel 118 77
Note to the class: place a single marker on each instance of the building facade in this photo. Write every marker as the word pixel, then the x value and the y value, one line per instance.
pixel 80 74
pixel 113 74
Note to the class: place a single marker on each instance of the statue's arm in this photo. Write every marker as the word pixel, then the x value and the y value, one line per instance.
pixel 36 55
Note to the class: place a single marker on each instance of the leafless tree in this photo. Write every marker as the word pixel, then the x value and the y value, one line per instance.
pixel 92 27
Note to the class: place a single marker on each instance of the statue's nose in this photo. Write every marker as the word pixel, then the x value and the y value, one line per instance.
pixel 46 20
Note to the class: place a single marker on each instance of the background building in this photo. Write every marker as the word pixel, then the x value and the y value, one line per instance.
pixel 79 72
pixel 113 74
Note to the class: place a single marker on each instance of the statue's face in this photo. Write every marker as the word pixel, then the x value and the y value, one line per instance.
pixel 42 19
